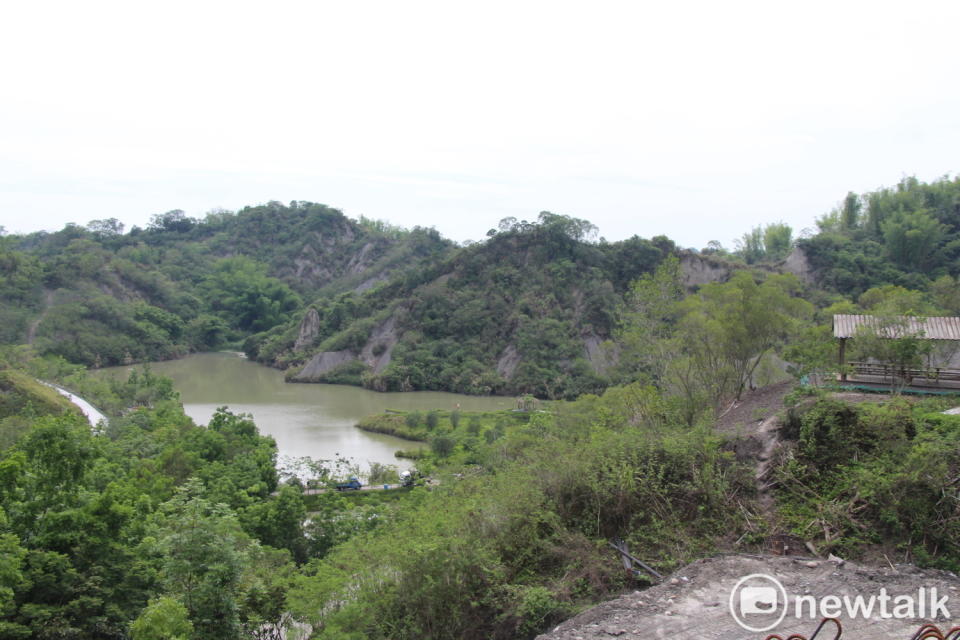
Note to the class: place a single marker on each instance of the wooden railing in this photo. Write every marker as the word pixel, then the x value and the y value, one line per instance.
pixel 934 374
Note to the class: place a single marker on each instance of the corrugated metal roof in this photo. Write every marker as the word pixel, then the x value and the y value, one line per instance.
pixel 931 328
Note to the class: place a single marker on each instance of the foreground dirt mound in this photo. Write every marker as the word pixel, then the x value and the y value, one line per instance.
pixel 695 602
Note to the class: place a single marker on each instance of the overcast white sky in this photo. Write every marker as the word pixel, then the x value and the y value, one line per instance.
pixel 696 120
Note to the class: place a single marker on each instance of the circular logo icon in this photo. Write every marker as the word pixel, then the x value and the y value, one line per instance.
pixel 756 600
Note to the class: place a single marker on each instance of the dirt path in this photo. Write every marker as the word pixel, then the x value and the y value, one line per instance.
pixel 32 329
pixel 695 602
pixel 767 433
pixel 755 420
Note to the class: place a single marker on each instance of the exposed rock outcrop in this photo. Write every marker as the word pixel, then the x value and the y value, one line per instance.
pixel 361 261
pixel 508 362
pixel 370 283
pixel 309 329
pixel 798 264
pixel 323 363
pixel 376 353
pixel 699 270
pixel 696 601
pixel 325 257
pixel 600 356
pixel 310 266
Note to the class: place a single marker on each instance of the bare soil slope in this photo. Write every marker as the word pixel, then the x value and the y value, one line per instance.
pixel 695 601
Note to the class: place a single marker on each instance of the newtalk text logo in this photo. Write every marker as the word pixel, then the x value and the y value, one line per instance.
pixel 759 602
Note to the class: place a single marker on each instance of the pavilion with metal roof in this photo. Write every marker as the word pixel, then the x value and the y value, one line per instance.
pixel 932 328
pixel 940 328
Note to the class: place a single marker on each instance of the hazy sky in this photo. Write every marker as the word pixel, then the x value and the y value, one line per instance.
pixel 696 120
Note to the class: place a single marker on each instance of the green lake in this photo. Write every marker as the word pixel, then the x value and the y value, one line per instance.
pixel 316 420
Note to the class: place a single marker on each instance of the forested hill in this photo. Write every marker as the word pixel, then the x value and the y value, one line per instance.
pixel 99 296
pixel 531 309
pixel 908 236
pixel 527 311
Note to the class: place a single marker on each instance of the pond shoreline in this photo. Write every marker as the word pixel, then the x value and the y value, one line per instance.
pixel 315 420
pixel 242 355
pixel 376 424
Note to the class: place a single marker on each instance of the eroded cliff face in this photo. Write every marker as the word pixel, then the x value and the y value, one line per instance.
pixel 699 270
pixel 309 329
pixel 799 265
pixel 337 255
pixel 602 355
pixel 375 354
pixel 379 348
pixel 508 362
pixel 323 363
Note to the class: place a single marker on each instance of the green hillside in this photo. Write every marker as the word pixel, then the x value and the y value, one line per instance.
pixel 98 296
pixel 23 399
pixel 526 311
pixel 536 308
pixel 908 235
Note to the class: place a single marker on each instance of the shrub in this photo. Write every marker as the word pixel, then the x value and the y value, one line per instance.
pixel 442 445
pixel 382 474
pixel 875 474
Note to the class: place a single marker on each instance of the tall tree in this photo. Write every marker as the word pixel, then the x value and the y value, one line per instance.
pixel 777 240
pixel 750 246
pixel 203 549
pixel 850 212
pixel 912 237
pixel 725 329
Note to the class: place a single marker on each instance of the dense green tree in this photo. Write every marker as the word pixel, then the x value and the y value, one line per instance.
pixel 442 445
pixel 893 299
pixel 279 522
pixel 905 235
pixel 106 227
pixel 12 556
pixel 82 542
pixel 945 293
pixel 750 246
pixel 912 238
pixel 777 240
pixel 203 549
pixel 730 326
pixel 771 242
pixel 850 213
pixel 165 618
pixel 244 297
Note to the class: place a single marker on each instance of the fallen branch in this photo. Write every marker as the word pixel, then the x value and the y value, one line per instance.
pixel 622 548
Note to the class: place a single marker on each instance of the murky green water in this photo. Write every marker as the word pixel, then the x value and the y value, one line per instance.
pixel 315 420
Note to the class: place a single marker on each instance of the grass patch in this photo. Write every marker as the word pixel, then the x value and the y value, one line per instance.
pixel 422 426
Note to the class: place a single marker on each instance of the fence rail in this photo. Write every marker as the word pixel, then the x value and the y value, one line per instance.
pixel 933 374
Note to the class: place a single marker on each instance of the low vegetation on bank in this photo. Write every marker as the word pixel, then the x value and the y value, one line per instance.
pixel 518 540
pixel 855 478
pixel 454 436
pixel 510 537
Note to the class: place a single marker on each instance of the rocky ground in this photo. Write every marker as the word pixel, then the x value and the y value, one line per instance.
pixel 694 602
